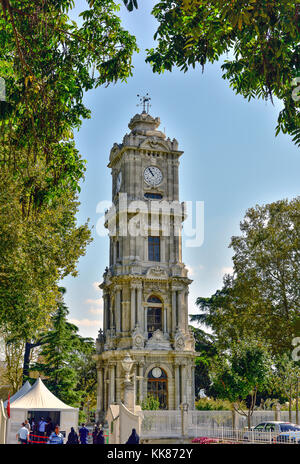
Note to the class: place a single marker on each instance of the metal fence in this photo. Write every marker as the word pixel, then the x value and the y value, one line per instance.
pixel 228 435
pixel 156 424
pixel 212 424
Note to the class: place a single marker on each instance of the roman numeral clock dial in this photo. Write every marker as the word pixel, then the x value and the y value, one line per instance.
pixel 153 175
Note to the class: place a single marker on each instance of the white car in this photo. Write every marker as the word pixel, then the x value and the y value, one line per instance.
pixel 274 432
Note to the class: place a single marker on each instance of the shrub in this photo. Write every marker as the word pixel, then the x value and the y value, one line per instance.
pixel 209 404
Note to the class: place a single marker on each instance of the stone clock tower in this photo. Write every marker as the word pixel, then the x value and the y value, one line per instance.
pixel 145 286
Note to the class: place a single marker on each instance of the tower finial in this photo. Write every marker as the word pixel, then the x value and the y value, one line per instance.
pixel 144 102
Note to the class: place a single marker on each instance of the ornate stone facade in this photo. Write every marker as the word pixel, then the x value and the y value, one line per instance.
pixel 145 287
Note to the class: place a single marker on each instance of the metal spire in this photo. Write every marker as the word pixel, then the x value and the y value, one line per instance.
pixel 144 102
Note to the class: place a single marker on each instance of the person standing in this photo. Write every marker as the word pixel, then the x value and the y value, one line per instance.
pixel 95 433
pixel 134 439
pixel 27 425
pixel 100 438
pixel 72 438
pixel 41 428
pixel 56 438
pixel 49 427
pixel 22 434
pixel 83 433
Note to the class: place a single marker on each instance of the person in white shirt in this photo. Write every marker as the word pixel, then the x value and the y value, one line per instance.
pixel 42 425
pixel 22 434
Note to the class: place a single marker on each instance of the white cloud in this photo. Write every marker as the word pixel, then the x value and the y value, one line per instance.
pixel 96 285
pixel 227 270
pixel 85 322
pixel 95 305
pixel 192 270
pixel 96 302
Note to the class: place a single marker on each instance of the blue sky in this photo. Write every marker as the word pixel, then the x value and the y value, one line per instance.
pixel 231 161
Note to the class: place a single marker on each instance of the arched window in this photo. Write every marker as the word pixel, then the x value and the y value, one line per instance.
pixel 154 315
pixel 157 386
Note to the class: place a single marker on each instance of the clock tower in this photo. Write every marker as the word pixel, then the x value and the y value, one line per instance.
pixel 145 286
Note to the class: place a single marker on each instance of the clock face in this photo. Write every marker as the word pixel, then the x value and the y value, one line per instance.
pixel 153 175
pixel 119 181
pixel 156 372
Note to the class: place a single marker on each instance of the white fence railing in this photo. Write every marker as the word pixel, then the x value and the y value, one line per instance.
pixel 161 424
pixel 229 435
pixel 213 424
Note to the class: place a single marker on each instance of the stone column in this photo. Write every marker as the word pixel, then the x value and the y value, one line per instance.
pixel 106 390
pixel 165 319
pixel 183 383
pixel 174 310
pixel 177 386
pixel 118 308
pixel 99 391
pixel 180 310
pixel 140 307
pixel 141 381
pixel 112 383
pixel 104 312
pixel 132 307
pixel 118 384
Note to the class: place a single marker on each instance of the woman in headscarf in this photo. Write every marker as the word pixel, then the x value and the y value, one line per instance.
pixel 95 433
pixel 134 439
pixel 73 438
pixel 100 438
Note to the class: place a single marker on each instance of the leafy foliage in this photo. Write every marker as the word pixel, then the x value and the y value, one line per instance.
pixel 210 404
pixel 36 251
pixel 263 293
pixel 150 403
pixel 261 37
pixel 48 62
pixel 241 373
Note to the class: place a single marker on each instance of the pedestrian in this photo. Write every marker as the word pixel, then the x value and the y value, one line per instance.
pixel 72 438
pixel 100 438
pixel 22 434
pixel 56 438
pixel 41 428
pixel 134 439
pixel 95 433
pixel 27 425
pixel 83 433
pixel 49 428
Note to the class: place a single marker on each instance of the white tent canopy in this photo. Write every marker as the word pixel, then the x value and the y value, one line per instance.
pixel 24 389
pixel 39 398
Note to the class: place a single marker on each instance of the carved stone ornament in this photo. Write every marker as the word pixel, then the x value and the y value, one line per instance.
pixel 157 272
pixel 138 339
pixel 158 341
pixel 110 340
pixel 180 341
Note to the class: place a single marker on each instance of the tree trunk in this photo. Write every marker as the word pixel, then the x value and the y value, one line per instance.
pixel 28 347
pixel 27 352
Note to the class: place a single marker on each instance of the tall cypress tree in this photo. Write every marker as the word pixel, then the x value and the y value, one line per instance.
pixel 62 348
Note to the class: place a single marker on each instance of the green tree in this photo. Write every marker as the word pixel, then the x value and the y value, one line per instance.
pixel 286 380
pixel 60 356
pixel 263 292
pixel 240 374
pixel 48 61
pixel 206 349
pixel 260 37
pixel 35 253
